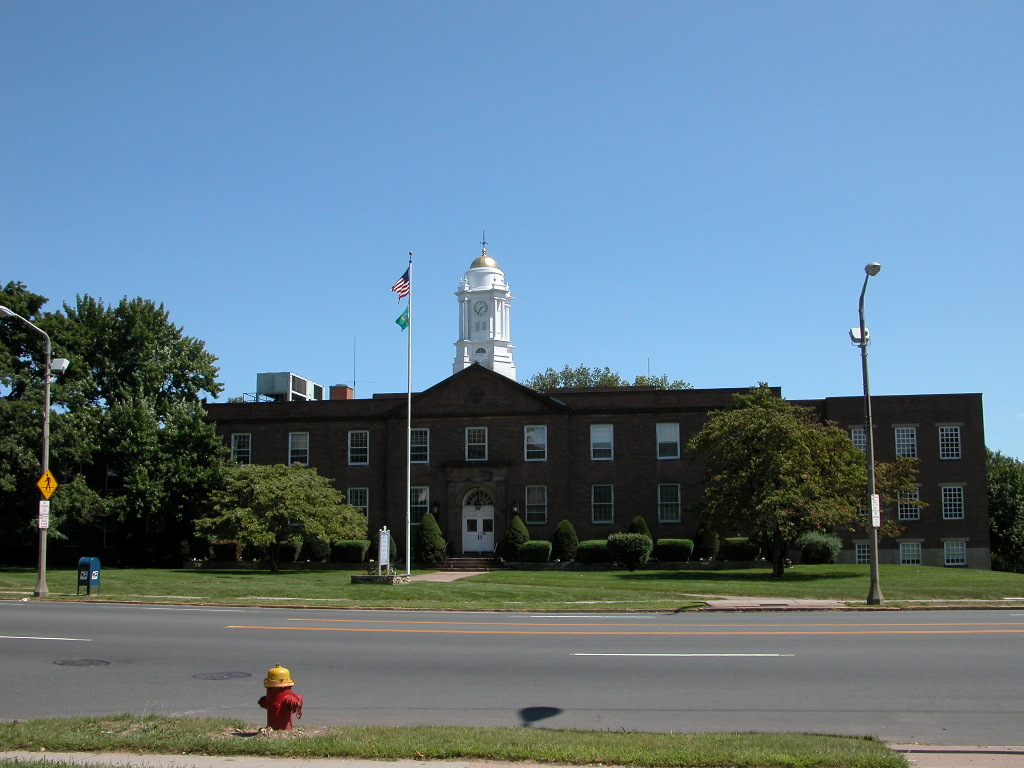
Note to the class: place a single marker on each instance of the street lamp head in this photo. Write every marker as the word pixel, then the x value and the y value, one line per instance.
pixel 5 312
pixel 873 268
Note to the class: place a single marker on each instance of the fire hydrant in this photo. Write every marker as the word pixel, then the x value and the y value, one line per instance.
pixel 281 701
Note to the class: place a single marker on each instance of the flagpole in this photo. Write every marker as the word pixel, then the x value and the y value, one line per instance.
pixel 408 439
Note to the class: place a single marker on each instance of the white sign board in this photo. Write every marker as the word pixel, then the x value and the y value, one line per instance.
pixel 876 511
pixel 44 514
pixel 384 550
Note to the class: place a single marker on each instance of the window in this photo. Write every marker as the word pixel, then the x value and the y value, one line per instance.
pixel 668 441
pixel 476 443
pixel 536 504
pixel 955 552
pixel 859 438
pixel 535 443
pixel 419 503
pixel 905 510
pixel 669 503
pixel 910 553
pixel 952 502
pixel 298 448
pixel 949 443
pixel 359 446
pixel 601 442
pixel 602 503
pixel 906 442
pixel 862 554
pixel 419 446
pixel 360 499
pixel 241 448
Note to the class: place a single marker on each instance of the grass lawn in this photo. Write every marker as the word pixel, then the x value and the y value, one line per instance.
pixel 645 590
pixel 180 736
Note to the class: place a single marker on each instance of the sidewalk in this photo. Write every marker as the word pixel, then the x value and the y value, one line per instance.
pixel 919 756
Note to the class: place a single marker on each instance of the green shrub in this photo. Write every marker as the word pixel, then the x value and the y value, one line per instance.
pixel 738 550
pixel 639 525
pixel 431 548
pixel 515 536
pixel 350 551
pixel 226 551
pixel 818 548
pixel 706 544
pixel 630 549
pixel 673 550
pixel 592 551
pixel 316 550
pixel 535 552
pixel 564 542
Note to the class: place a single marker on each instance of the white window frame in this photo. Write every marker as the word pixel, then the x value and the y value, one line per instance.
pixel 906 441
pixel 859 438
pixel 358 447
pixel 359 497
pixel 905 511
pixel 419 503
pixel 239 453
pixel 862 554
pixel 910 553
pixel 667 436
pixel 296 449
pixel 419 445
pixel 602 504
pixel 953 506
pixel 602 442
pixel 949 442
pixel 536 505
pixel 670 503
pixel 954 554
pixel 476 443
pixel 535 442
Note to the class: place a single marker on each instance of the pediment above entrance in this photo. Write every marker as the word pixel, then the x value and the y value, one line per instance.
pixel 479 391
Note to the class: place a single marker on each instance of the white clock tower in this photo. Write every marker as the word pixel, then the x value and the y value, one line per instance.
pixel 484 299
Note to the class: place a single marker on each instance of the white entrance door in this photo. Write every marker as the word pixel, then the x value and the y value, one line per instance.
pixel 478 523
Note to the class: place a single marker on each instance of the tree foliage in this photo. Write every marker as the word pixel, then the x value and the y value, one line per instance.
pixel 431 548
pixel 583 377
pixel 774 472
pixel 1006 511
pixel 273 506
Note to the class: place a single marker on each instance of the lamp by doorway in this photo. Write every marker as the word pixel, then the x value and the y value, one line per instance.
pixel 434 509
pixel 515 507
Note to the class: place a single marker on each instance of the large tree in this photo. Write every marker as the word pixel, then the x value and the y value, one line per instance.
pixel 1006 511
pixel 583 377
pixel 129 443
pixel 273 505
pixel 775 472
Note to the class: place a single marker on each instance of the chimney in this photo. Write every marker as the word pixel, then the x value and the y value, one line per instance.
pixel 342 392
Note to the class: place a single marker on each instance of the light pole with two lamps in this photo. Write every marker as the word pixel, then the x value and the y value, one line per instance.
pixel 862 338
pixel 51 365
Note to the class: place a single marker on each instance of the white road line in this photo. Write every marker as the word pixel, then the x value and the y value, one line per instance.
pixel 70 639
pixel 693 655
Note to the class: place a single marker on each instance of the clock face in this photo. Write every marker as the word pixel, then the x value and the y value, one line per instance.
pixel 480 308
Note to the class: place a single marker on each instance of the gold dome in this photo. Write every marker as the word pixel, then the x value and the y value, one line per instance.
pixel 483 260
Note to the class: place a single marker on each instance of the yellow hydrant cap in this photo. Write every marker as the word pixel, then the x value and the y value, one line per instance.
pixel 278 677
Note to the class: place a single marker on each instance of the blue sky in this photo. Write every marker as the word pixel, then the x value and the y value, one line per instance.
pixel 690 188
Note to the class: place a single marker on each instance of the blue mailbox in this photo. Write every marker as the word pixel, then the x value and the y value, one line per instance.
pixel 88 574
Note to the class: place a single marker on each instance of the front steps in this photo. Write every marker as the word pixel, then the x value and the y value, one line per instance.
pixel 468 563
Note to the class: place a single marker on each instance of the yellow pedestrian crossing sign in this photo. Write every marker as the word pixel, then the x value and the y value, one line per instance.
pixel 47 484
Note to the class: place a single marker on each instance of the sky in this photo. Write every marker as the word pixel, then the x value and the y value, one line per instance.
pixel 681 188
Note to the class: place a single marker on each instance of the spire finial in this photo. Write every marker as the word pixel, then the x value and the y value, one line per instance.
pixel 483 242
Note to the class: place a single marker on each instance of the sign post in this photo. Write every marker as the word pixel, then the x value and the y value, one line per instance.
pixel 384 552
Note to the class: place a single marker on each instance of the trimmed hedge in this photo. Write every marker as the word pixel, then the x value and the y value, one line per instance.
pixel 738 550
pixel 535 552
pixel 818 548
pixel 673 550
pixel 564 542
pixel 515 536
pixel 593 551
pixel 350 551
pixel 431 548
pixel 639 525
pixel 630 549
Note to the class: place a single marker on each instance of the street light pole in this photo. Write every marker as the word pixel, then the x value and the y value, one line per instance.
pixel 875 589
pixel 41 589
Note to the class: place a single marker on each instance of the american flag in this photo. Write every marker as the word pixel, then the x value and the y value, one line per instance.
pixel 402 286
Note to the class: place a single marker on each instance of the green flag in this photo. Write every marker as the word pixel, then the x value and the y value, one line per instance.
pixel 403 319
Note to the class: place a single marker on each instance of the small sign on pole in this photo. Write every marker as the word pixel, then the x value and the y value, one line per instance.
pixel 384 551
pixel 44 514
pixel 47 484
pixel 876 511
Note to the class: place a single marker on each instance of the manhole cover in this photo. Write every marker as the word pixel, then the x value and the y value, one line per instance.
pixel 221 675
pixel 82 663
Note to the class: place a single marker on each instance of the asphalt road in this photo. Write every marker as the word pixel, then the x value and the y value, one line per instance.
pixel 943 677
